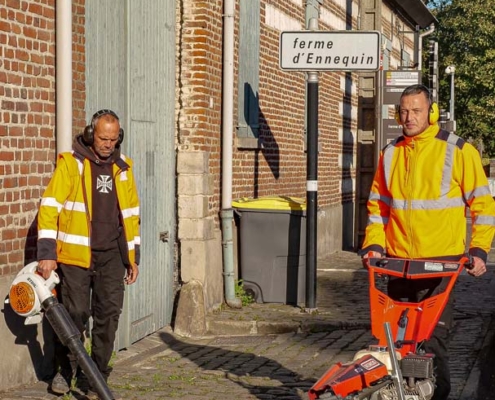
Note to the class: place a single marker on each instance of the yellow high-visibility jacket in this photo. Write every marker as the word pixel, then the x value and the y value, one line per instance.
pixel 64 218
pixel 420 195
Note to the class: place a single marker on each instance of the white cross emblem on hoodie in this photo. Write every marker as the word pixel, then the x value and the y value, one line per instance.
pixel 104 183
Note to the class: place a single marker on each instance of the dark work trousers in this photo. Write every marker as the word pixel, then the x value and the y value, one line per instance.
pixel 409 290
pixel 97 292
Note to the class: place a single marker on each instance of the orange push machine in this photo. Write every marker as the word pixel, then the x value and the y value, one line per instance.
pixel 396 368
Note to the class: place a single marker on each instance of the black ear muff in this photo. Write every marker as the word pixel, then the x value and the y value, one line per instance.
pixel 89 130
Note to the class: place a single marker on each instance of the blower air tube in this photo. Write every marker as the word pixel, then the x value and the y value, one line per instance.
pixel 70 336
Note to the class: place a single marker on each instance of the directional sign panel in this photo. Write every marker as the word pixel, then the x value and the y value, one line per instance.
pixel 394 83
pixel 330 50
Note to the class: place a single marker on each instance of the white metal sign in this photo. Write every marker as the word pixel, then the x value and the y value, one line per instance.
pixel 330 50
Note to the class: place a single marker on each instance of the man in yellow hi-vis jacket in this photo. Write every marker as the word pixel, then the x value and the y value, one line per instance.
pixel 424 182
pixel 88 230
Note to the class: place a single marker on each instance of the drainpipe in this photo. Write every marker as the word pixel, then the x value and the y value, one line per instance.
pixel 63 77
pixel 227 214
pixel 420 45
pixel 312 11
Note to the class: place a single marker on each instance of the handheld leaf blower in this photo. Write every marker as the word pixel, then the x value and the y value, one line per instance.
pixel 29 295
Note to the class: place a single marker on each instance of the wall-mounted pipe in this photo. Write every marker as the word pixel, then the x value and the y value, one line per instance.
pixel 420 45
pixel 227 214
pixel 63 77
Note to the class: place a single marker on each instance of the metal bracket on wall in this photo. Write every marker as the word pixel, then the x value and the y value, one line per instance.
pixel 164 236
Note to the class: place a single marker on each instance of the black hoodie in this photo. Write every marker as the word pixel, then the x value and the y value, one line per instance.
pixel 105 220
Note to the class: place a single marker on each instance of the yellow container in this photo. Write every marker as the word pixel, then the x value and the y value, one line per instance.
pixel 281 203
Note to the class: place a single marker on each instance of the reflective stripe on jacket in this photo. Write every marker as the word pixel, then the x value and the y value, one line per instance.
pixel 64 219
pixel 418 199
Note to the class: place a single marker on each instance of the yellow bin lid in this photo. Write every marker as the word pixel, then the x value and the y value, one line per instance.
pixel 285 203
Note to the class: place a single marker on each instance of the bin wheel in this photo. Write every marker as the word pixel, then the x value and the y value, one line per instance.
pixel 253 291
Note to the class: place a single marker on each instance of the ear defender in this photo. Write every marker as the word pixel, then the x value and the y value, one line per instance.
pixel 89 130
pixel 433 117
pixel 434 113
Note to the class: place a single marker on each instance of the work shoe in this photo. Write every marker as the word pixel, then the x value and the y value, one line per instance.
pixel 60 385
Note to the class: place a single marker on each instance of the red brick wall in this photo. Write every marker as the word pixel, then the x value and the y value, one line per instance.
pixel 199 80
pixel 27 46
pixel 78 67
pixel 279 168
pixel 27 119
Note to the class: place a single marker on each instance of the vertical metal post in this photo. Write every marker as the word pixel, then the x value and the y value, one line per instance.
pixel 311 181
pixel 450 70
pixel 396 372
pixel 311 189
pixel 452 98
pixel 433 66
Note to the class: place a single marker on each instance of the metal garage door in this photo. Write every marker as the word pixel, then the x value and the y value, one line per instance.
pixel 130 68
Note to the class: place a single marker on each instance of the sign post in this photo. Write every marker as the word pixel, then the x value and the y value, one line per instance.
pixel 311 189
pixel 314 51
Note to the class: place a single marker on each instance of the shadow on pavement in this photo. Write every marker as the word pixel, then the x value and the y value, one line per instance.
pixel 486 381
pixel 258 375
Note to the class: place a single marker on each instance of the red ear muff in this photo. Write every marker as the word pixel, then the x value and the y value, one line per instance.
pixel 89 130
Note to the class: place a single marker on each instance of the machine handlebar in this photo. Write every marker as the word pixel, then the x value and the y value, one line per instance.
pixel 417 268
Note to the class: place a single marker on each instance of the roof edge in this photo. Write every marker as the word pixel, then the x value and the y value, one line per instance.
pixel 416 12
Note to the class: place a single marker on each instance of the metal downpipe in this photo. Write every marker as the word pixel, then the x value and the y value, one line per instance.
pixel 420 45
pixel 63 91
pixel 228 259
pixel 227 214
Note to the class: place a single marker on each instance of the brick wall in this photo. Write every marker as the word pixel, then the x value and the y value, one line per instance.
pixel 27 54
pixel 27 118
pixel 200 84
pixel 78 67
pixel 279 167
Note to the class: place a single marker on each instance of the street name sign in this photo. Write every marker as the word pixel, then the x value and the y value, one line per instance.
pixel 330 50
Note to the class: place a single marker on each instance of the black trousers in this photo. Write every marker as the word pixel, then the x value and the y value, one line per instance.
pixel 408 290
pixel 97 292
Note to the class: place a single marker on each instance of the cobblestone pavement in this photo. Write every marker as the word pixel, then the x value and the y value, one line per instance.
pixel 270 351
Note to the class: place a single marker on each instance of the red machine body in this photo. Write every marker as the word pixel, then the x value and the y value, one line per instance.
pixel 410 324
pixel 348 378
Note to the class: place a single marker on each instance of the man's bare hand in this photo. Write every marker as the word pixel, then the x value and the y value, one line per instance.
pixel 478 267
pixel 132 274
pixel 45 267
